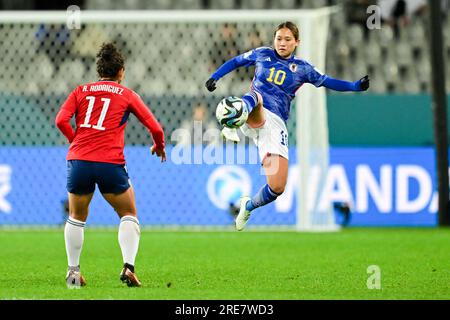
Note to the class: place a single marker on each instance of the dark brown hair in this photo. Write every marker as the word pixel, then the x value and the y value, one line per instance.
pixel 291 26
pixel 110 61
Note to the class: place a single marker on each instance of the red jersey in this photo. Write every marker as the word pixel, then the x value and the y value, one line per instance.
pixel 101 110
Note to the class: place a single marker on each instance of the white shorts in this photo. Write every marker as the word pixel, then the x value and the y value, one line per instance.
pixel 270 138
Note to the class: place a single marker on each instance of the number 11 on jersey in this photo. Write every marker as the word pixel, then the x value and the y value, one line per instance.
pixel 98 126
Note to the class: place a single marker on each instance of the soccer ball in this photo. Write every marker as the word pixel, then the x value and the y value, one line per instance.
pixel 231 112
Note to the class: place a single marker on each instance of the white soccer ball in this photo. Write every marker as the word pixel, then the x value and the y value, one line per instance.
pixel 231 112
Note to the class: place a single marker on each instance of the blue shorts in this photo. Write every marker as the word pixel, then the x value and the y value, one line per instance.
pixel 83 175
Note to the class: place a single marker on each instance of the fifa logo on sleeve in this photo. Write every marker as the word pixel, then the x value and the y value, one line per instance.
pixel 374 279
pixel 73 20
pixel 5 188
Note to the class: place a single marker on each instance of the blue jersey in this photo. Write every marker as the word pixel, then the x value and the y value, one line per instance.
pixel 276 79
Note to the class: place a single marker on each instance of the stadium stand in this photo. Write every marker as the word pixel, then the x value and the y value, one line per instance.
pixel 38 60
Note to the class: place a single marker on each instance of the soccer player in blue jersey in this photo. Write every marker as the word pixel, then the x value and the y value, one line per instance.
pixel 278 75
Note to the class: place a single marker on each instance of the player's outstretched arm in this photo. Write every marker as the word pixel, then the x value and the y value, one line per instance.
pixel 342 85
pixel 227 67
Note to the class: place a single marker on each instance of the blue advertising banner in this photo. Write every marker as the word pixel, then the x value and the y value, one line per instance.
pixel 384 187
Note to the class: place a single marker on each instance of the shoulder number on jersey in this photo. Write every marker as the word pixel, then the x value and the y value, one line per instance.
pixel 99 124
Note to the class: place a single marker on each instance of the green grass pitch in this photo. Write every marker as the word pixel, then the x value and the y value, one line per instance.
pixel 414 264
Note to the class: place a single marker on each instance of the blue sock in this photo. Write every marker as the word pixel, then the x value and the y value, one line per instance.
pixel 263 197
pixel 251 100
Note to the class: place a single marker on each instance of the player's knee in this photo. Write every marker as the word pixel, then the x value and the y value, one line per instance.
pixel 278 188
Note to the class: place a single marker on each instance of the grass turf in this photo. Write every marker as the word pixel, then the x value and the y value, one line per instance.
pixel 414 263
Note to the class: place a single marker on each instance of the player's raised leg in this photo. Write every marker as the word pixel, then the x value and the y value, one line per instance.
pixel 254 103
pixel 129 232
pixel 276 169
pixel 74 237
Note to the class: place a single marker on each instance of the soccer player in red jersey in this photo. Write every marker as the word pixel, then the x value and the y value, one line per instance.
pixel 96 156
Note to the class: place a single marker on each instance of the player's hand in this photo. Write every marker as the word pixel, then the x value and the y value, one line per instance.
pixel 159 152
pixel 211 84
pixel 363 83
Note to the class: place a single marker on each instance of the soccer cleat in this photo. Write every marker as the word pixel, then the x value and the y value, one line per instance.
pixel 74 279
pixel 128 277
pixel 244 214
pixel 230 134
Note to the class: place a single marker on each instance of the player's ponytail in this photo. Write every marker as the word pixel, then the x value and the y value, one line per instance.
pixel 110 61
pixel 291 26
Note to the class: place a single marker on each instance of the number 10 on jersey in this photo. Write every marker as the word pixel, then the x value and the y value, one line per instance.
pixel 98 126
pixel 280 75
